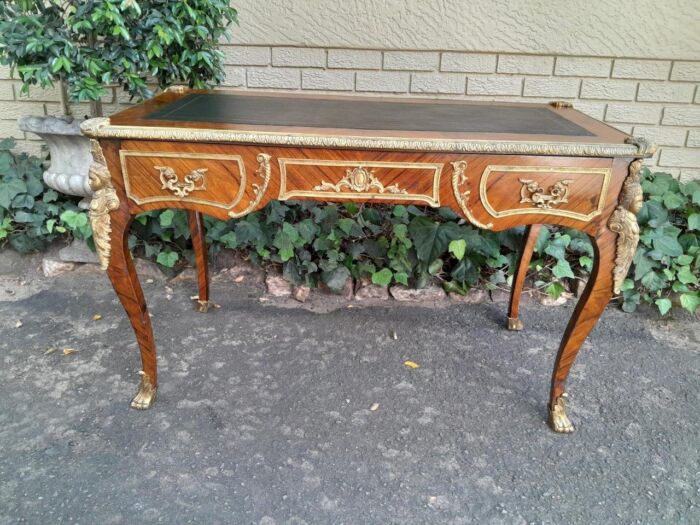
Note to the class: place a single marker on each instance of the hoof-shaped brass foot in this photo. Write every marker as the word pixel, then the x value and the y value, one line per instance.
pixel 204 306
pixel 146 395
pixel 558 419
pixel 514 323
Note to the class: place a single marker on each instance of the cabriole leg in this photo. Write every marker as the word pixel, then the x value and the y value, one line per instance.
pixel 589 308
pixel 199 245
pixel 126 284
pixel 531 234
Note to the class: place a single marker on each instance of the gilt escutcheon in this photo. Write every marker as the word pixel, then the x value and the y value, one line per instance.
pixel 193 181
pixel 532 192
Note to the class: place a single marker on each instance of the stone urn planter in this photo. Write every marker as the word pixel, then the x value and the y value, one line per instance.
pixel 70 154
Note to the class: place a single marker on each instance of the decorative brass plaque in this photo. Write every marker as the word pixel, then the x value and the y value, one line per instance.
pixel 360 179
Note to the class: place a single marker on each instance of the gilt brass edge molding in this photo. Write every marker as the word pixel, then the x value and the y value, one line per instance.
pixel 100 127
pixel 433 201
pixel 623 221
pixel 605 172
pixel 104 201
pixel 459 179
pixel 123 154
pixel 265 171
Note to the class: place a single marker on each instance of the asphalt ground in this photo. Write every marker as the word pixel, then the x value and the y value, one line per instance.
pixel 264 412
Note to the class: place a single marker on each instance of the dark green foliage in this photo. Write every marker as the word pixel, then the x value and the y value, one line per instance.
pixel 408 245
pixel 31 215
pixel 91 43
pixel 667 261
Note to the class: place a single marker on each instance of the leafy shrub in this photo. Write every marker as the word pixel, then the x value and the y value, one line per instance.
pixel 93 43
pixel 667 261
pixel 32 215
pixel 407 245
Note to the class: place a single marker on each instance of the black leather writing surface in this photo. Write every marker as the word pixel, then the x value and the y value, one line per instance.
pixel 367 115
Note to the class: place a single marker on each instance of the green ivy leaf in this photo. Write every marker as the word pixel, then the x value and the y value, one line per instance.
pixel 382 277
pixel 554 290
pixel 630 300
pixel 673 201
pixel 400 211
pixel 167 258
pixel 694 221
pixel 431 238
pixel 667 244
pixel 346 225
pixel 664 305
pixel 686 275
pixel 654 281
pixel 562 269
pixel 458 248
pixel 586 262
pixel 9 190
pixel 166 218
pixel 401 278
pixel 229 240
pixel 73 219
pixel 627 284
pixel 690 301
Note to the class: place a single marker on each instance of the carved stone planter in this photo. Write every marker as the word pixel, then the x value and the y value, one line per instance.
pixel 70 154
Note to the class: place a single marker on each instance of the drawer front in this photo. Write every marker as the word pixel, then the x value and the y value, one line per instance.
pixel 574 192
pixel 204 178
pixel 355 179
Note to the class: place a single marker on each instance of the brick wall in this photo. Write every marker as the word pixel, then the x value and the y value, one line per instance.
pixel 656 99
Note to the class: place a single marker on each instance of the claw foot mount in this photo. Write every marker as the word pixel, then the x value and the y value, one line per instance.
pixel 146 395
pixel 558 419
pixel 515 324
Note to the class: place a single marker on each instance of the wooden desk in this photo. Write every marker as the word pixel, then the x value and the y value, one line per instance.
pixel 498 165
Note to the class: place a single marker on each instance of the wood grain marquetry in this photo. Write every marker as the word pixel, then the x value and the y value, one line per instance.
pixel 496 165
pixel 199 178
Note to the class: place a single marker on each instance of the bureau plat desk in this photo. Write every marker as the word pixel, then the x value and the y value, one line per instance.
pixel 497 165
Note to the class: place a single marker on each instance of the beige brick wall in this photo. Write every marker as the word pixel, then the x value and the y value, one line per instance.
pixel 657 99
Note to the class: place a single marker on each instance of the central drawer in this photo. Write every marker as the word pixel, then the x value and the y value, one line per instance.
pixel 357 179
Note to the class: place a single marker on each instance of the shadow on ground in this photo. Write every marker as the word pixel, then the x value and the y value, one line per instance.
pixel 263 414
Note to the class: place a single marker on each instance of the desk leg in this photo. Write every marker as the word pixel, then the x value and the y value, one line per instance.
pixel 199 245
pixel 589 308
pixel 126 284
pixel 531 234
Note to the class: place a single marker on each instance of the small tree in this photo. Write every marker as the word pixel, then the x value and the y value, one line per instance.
pixel 85 45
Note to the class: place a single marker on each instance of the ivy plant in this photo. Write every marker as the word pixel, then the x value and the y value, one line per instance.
pixel 667 261
pixel 88 44
pixel 31 215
